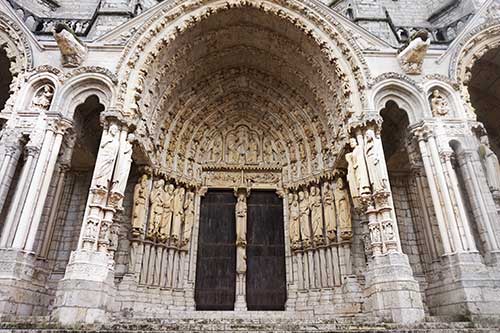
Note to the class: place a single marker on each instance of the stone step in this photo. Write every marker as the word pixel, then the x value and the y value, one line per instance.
pixel 243 325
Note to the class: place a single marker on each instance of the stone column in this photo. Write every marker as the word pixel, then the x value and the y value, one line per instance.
pixel 90 270
pixel 422 134
pixel 468 242
pixel 12 143
pixel 479 198
pixel 392 292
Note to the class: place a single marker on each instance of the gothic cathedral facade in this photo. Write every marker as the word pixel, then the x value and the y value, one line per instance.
pixel 279 158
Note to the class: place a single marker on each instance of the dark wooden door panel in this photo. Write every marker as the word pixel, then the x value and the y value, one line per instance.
pixel 266 277
pixel 216 262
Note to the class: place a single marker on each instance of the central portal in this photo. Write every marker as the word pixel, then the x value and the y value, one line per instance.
pixel 216 269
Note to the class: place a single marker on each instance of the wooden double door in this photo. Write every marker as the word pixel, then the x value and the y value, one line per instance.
pixel 216 261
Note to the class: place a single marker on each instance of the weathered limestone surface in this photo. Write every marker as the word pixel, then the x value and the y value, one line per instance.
pixel 374 124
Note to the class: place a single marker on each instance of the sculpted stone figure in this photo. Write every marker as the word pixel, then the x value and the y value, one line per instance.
pixel 106 158
pixel 73 52
pixel 343 206
pixel 43 98
pixel 439 104
pixel 305 229
pixel 373 161
pixel 232 146
pixel 329 212
pixel 141 193
pixel 294 216
pixel 413 53
pixel 316 215
pixel 490 165
pixel 155 216
pixel 241 220
pixel 178 214
pixel 188 218
pixel 241 233
pixel 166 220
pixel 253 151
pixel 123 166
pixel 357 172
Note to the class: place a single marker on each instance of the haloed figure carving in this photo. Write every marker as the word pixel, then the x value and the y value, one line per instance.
pixel 329 211
pixel 294 216
pixel 343 206
pixel 166 220
pixel 305 229
pixel 188 218
pixel 316 215
pixel 106 158
pixel 178 211
pixel 156 208
pixel 141 193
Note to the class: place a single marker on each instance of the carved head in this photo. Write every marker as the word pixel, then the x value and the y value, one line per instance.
pixel 113 129
pixel 353 143
pixel 170 188
pixel 131 137
pixel 144 179
pixel 314 190
pixel 159 183
pixel 301 196
pixel 290 197
pixel 436 93
pixel 340 183
pixel 370 135
pixel 485 141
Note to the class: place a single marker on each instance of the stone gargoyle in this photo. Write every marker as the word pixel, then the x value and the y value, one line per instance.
pixel 73 51
pixel 411 55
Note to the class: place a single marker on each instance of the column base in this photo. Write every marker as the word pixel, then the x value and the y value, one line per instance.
pixel 86 291
pixel 392 293
pixel 465 288
pixel 23 289
pixel 240 304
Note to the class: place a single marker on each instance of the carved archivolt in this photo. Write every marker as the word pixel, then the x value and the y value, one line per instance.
pixel 286 83
pixel 480 40
pixel 17 49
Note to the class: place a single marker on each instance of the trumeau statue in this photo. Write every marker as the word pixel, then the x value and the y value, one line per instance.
pixel 373 161
pixel 490 165
pixel 141 193
pixel 357 173
pixel 241 220
pixel 241 233
pixel 156 198
pixel 178 214
pixel 43 98
pixel 123 166
pixel 329 212
pixel 439 104
pixel 106 158
pixel 294 217
pixel 343 206
pixel 166 220
pixel 305 229
pixel 316 215
pixel 188 218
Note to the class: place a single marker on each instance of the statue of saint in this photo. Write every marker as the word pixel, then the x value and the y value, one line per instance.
pixel 156 198
pixel 490 164
pixel 178 214
pixel 316 215
pixel 343 207
pixel 166 220
pixel 439 104
pixel 329 211
pixel 43 98
pixel 357 173
pixel 232 147
pixel 305 229
pixel 373 161
pixel 253 151
pixel 294 221
pixel 106 158
pixel 123 166
pixel 241 220
pixel 139 210
pixel 188 218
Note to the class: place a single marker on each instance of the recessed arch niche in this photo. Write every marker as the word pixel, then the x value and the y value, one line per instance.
pixel 242 87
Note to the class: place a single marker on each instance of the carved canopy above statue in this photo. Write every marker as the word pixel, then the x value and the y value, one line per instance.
pixel 241 85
